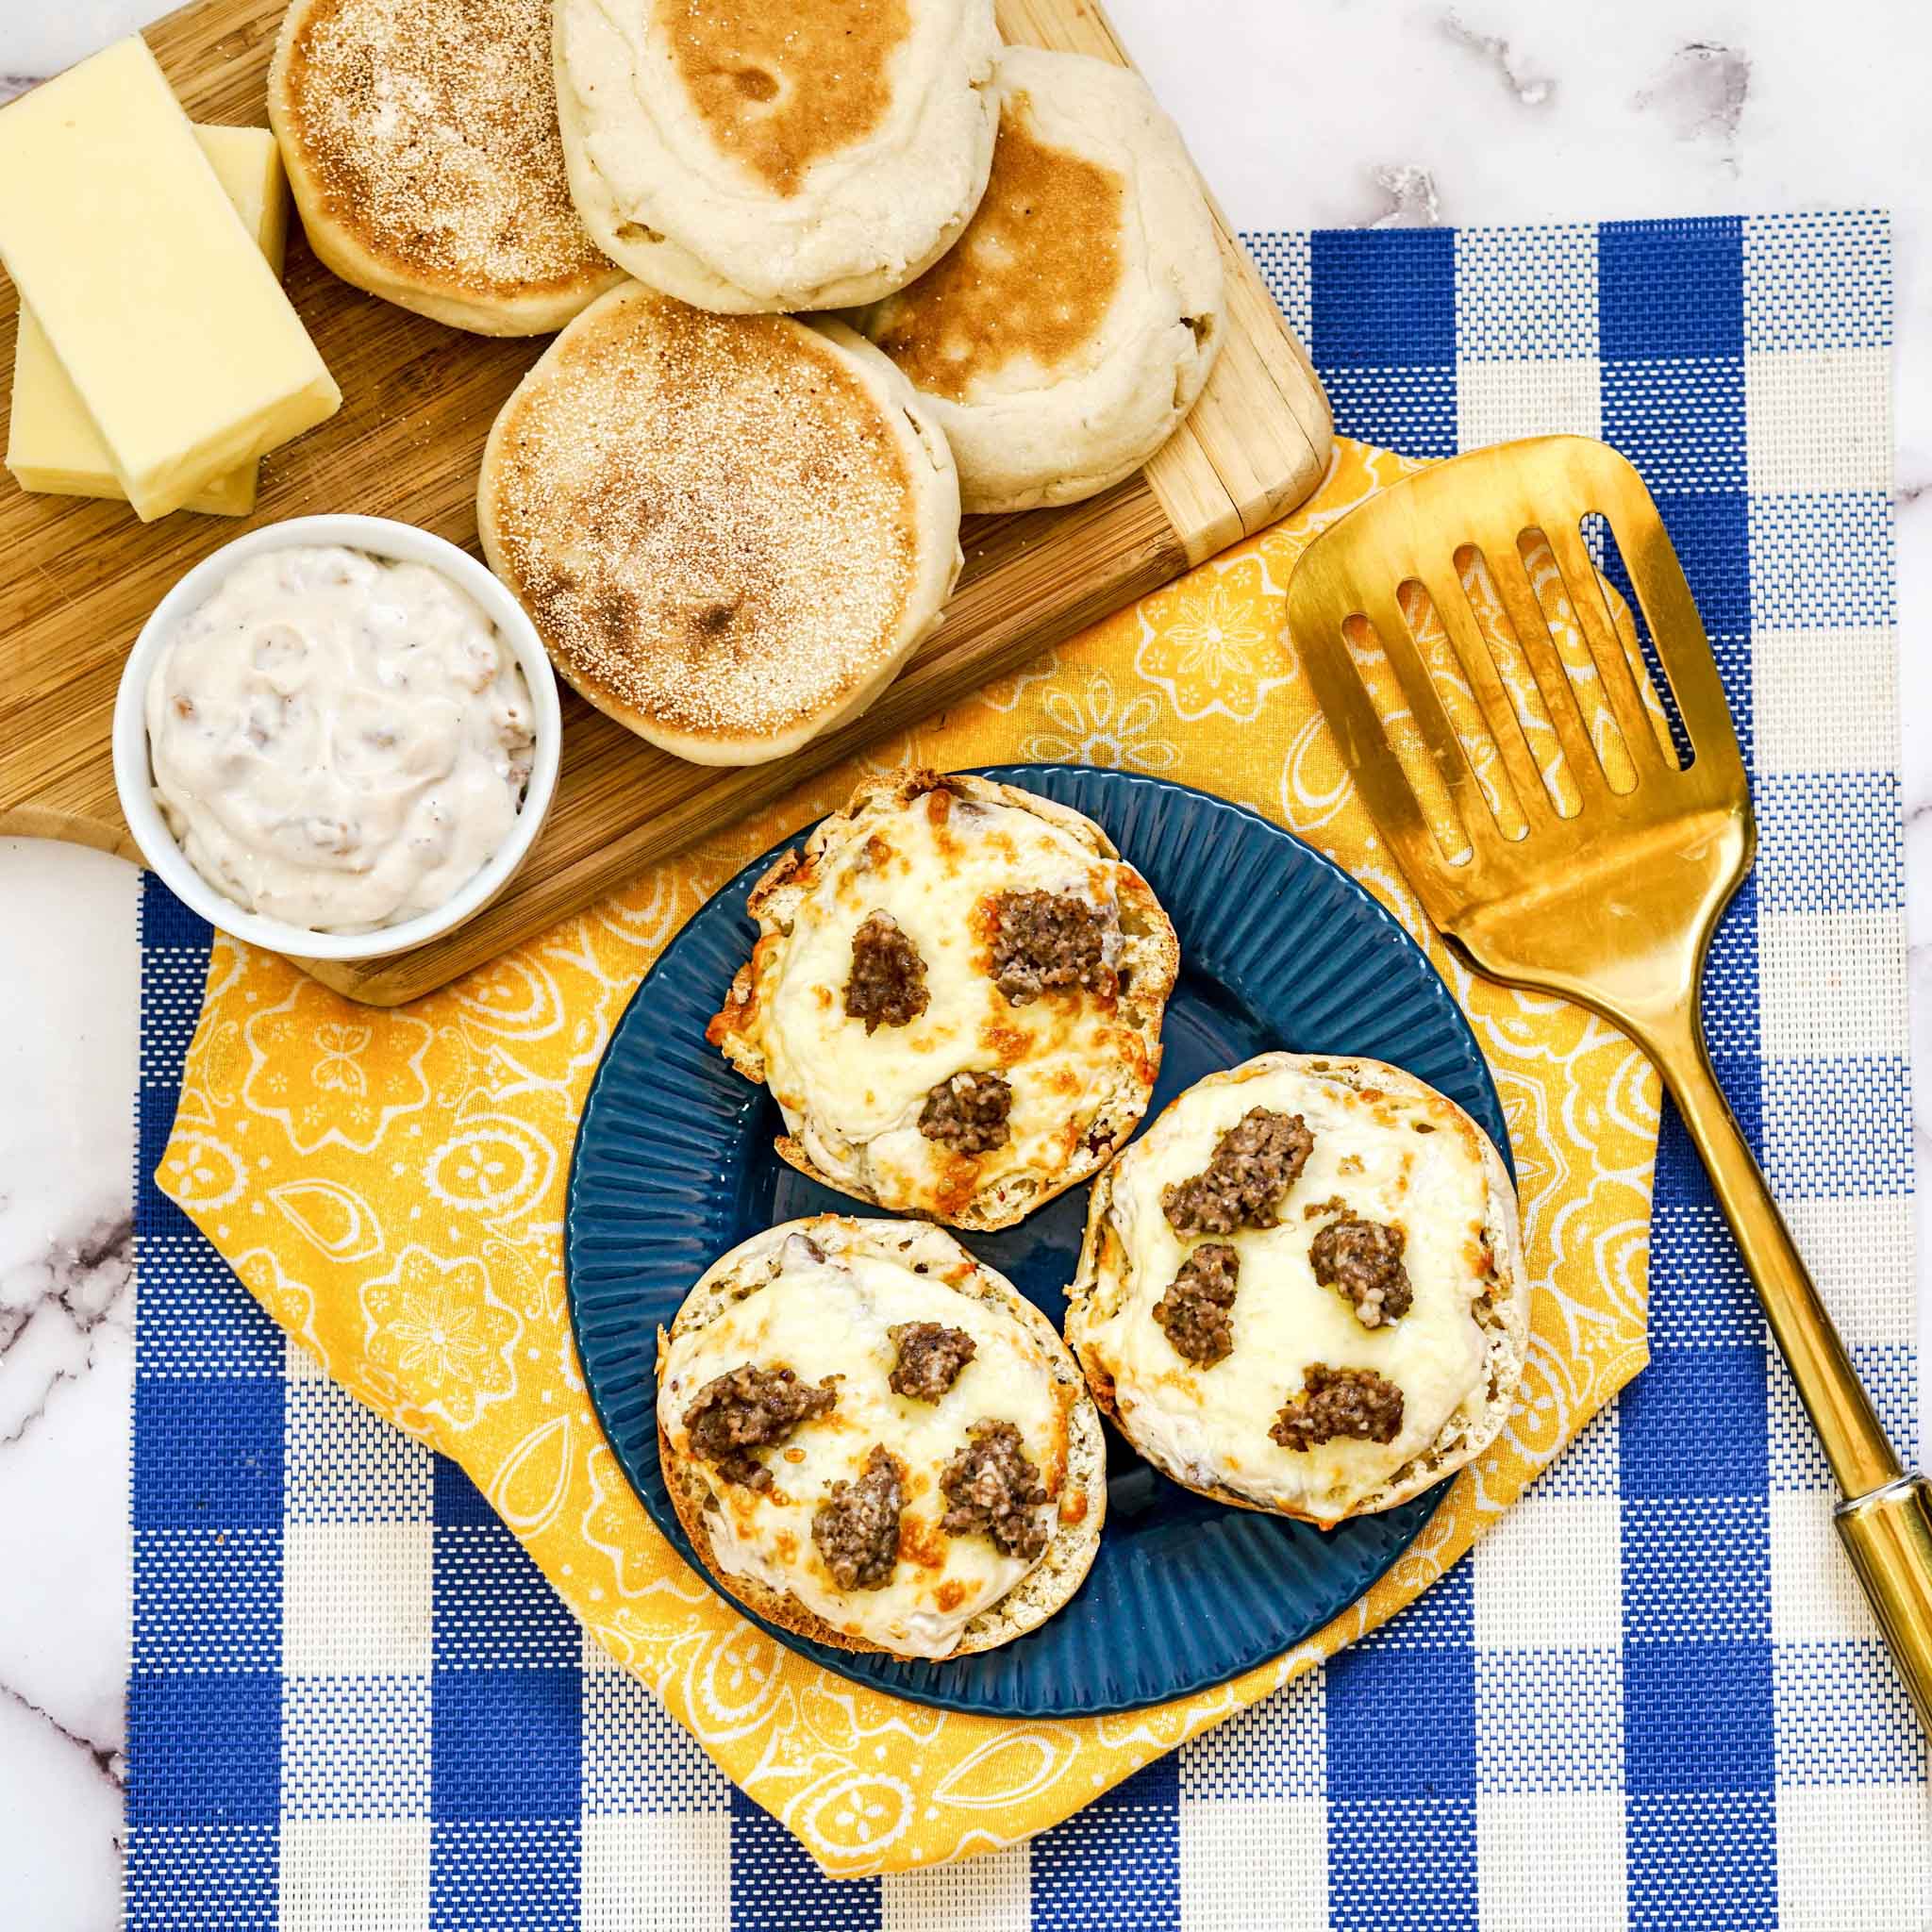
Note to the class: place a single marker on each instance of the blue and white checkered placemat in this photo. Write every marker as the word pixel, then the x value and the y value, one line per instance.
pixel 356 1707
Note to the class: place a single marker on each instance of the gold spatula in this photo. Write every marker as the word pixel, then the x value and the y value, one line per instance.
pixel 1609 901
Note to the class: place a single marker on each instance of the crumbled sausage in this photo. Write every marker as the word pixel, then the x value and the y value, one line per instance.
pixel 1254 1165
pixel 857 1526
pixel 888 983
pixel 1198 1310
pixel 1046 943
pixel 1363 1259
pixel 991 1490
pixel 930 1359
pixel 751 1408
pixel 1339 1402
pixel 968 1113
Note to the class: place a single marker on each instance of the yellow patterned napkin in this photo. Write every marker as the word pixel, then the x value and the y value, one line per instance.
pixel 390 1186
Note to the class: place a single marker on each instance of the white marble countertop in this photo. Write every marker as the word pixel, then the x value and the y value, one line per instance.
pixel 1323 112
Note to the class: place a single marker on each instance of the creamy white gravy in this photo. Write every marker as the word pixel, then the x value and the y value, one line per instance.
pixel 338 740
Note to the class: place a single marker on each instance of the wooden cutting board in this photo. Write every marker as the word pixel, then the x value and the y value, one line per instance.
pixel 78 577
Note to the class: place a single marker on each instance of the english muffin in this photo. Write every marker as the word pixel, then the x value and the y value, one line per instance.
pixel 956 998
pixel 729 530
pixel 1302 1289
pixel 877 1443
pixel 759 158
pixel 421 142
pixel 1063 340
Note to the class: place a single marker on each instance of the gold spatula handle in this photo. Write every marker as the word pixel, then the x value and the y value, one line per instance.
pixel 1886 1520
pixel 1888 1534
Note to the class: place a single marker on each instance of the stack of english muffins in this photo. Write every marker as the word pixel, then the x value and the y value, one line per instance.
pixel 731 513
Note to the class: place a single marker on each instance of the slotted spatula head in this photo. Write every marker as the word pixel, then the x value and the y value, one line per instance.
pixel 1603 874
pixel 1612 905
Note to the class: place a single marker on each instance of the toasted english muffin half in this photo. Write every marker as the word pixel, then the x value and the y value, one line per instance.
pixel 1064 338
pixel 853 1305
pixel 729 530
pixel 1391 1263
pixel 956 998
pixel 421 142
pixel 812 155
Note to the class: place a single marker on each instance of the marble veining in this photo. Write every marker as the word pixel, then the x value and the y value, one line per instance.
pixel 1412 198
pixel 49 1310
pixel 68 985
pixel 1700 92
pixel 1531 89
pixel 109 1757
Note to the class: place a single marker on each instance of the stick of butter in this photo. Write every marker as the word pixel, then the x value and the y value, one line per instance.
pixel 171 326
pixel 52 445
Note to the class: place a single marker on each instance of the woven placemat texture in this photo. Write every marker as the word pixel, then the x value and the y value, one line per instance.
pixel 1651 1695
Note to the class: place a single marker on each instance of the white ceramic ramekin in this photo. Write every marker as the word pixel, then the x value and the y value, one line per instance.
pixel 134 776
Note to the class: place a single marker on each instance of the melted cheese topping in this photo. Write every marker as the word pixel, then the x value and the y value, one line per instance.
pixel 1210 1424
pixel 830 1318
pixel 854 1098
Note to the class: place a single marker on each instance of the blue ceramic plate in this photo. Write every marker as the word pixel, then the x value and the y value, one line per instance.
pixel 673 1165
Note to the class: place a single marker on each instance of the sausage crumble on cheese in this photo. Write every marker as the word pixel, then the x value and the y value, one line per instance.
pixel 1356 1323
pixel 1198 1310
pixel 1339 1402
pixel 956 998
pixel 1363 1259
pixel 1253 1166
pixel 930 1359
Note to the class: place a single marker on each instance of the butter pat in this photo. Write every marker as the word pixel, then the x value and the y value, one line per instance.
pixel 171 326
pixel 51 443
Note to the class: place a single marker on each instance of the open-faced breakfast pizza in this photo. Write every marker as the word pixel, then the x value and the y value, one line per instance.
pixel 955 998
pixel 875 1442
pixel 1303 1289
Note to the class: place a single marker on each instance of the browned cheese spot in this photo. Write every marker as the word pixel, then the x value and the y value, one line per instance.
pixel 920 1542
pixel 1007 1044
